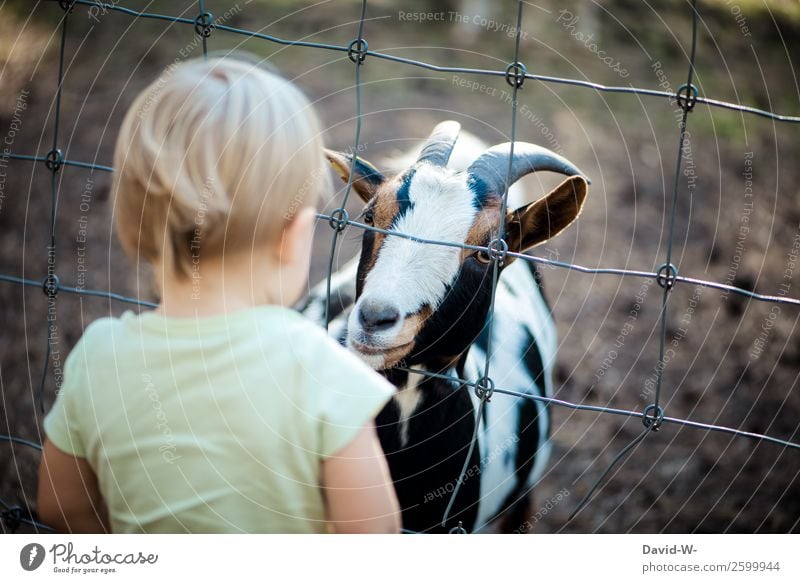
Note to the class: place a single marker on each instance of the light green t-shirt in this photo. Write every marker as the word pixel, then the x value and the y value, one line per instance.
pixel 214 424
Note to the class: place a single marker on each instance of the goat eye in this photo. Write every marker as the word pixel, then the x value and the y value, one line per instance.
pixel 369 217
pixel 483 257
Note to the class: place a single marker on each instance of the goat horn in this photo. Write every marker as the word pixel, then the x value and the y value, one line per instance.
pixel 440 143
pixel 492 167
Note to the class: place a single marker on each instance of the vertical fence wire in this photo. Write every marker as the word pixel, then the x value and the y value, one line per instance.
pixel 203 26
pixel 50 284
pixel 357 51
pixel 654 414
pixel 497 251
pixel 670 270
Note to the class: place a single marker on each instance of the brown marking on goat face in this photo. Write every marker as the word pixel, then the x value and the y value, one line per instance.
pixel 483 227
pixel 384 208
pixel 377 243
pixel 412 325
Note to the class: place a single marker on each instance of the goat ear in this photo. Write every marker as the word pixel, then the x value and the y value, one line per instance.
pixel 539 221
pixel 366 178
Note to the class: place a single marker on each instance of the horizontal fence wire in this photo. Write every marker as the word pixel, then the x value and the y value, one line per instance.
pixel 13 516
pixel 443 69
pixel 687 96
pixel 622 272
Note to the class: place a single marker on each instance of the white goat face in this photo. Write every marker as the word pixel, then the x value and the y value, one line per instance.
pixel 419 302
pixel 408 279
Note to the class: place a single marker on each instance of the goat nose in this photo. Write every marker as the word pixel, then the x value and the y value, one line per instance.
pixel 377 316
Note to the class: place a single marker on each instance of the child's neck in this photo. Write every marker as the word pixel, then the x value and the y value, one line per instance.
pixel 218 287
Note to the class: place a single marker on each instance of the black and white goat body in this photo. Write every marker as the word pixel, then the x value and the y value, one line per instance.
pixel 425 307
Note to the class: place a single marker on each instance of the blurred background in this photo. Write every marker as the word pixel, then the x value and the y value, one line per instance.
pixel 733 362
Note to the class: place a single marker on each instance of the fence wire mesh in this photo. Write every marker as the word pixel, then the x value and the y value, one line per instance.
pixel 687 97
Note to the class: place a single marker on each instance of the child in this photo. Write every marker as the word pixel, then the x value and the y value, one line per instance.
pixel 222 410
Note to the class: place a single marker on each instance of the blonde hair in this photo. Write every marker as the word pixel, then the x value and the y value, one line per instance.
pixel 214 156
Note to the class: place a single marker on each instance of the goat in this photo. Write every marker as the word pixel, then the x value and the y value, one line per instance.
pixel 425 307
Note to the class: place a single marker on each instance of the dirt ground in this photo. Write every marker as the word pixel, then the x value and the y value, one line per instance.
pixel 731 361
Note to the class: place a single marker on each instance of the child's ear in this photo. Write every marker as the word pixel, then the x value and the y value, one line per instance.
pixel 296 240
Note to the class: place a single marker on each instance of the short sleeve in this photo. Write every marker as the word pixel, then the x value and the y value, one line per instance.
pixel 61 423
pixel 348 394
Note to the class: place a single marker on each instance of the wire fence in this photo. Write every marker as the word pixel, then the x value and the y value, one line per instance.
pixel 515 74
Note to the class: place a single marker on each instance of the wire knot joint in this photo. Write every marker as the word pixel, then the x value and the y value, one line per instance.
pixel 204 24
pixel 339 219
pixel 653 417
pixel 54 160
pixel 357 50
pixel 497 250
pixel 484 388
pixel 458 529
pixel 686 96
pixel 515 74
pixel 12 518
pixel 50 285
pixel 667 275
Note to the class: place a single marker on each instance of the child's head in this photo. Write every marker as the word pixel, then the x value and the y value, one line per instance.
pixel 215 159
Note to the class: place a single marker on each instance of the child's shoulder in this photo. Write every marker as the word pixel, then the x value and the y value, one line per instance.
pixel 100 332
pixel 308 343
pixel 105 332
pixel 315 340
pixel 94 345
pixel 328 361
